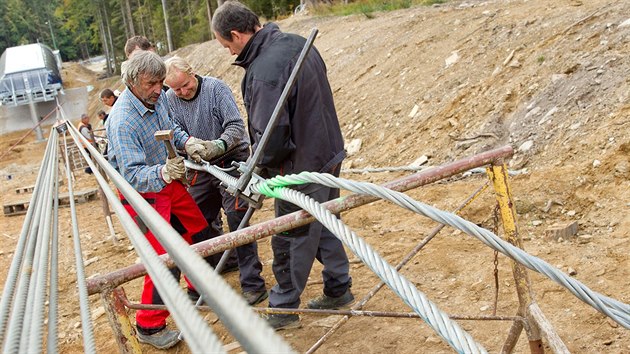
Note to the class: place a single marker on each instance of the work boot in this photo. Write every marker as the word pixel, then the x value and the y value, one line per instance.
pixel 255 297
pixel 326 302
pixel 163 339
pixel 280 321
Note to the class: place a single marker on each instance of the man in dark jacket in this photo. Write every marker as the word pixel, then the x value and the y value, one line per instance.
pixel 306 138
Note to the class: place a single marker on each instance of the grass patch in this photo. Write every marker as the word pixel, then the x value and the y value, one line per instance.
pixel 367 7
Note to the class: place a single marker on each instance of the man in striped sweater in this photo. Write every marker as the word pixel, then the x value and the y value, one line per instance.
pixel 204 107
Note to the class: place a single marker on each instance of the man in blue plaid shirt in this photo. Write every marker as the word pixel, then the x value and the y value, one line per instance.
pixel 139 112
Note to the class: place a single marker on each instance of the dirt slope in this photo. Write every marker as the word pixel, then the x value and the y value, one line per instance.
pixel 550 78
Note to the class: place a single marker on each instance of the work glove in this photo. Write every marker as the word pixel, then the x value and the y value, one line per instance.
pixel 198 149
pixel 174 169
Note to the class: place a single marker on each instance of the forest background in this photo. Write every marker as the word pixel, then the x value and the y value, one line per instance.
pixel 81 29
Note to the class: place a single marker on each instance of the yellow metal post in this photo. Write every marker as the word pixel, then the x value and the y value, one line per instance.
pixel 499 177
pixel 118 317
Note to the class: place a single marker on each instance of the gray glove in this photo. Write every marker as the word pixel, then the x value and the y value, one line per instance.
pixel 198 149
pixel 174 169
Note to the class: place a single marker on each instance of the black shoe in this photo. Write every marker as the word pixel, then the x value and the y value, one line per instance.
pixel 326 302
pixel 255 297
pixel 163 339
pixel 279 322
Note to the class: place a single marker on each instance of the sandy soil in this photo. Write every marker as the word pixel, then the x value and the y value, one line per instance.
pixel 549 78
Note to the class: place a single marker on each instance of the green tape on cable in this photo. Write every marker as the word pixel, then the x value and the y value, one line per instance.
pixel 266 190
pixel 269 188
pixel 283 181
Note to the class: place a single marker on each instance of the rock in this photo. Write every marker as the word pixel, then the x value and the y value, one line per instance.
pixel 515 63
pixel 414 111
pixel 571 271
pixel 625 23
pixel 452 59
pixel 562 231
pixel 354 146
pixel 571 213
pixel 419 161
pixel 526 146
pixel 622 168
pixel 326 322
pixel 596 163
pixel 91 260
pixel 484 308
pixel 533 112
pixel 583 239
pixel 100 311
pixel 433 340
pixel 548 116
pixel 557 77
pixel 537 222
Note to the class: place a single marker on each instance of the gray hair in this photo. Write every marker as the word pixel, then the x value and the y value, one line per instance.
pixel 143 62
pixel 177 64
pixel 234 16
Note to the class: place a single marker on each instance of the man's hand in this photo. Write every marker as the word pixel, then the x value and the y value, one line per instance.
pixel 174 169
pixel 198 149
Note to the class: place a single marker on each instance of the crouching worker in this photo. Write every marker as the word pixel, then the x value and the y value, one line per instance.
pixel 140 111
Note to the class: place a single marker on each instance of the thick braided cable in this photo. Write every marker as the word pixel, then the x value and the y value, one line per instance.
pixel 614 309
pixel 200 337
pixel 449 330
pixel 249 329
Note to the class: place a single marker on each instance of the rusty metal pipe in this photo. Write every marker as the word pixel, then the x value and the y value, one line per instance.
pixel 299 218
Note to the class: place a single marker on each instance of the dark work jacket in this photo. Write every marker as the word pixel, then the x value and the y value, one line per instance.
pixel 307 136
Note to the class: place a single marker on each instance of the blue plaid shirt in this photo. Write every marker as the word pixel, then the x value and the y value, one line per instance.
pixel 132 149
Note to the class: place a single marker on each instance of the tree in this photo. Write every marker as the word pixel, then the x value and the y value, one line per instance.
pixel 167 28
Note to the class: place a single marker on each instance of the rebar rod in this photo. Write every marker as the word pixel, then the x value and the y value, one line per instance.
pixel 53 303
pixel 87 328
pixel 16 319
pixel 35 334
pixel 18 256
pixel 199 336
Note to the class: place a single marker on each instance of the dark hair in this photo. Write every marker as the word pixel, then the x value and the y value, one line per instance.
pixel 234 16
pixel 137 42
pixel 101 113
pixel 107 93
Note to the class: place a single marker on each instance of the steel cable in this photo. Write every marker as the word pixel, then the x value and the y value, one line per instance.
pixel 200 337
pixel 448 329
pixel 614 309
pixel 251 331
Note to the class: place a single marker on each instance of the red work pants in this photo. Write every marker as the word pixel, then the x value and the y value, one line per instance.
pixel 172 200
